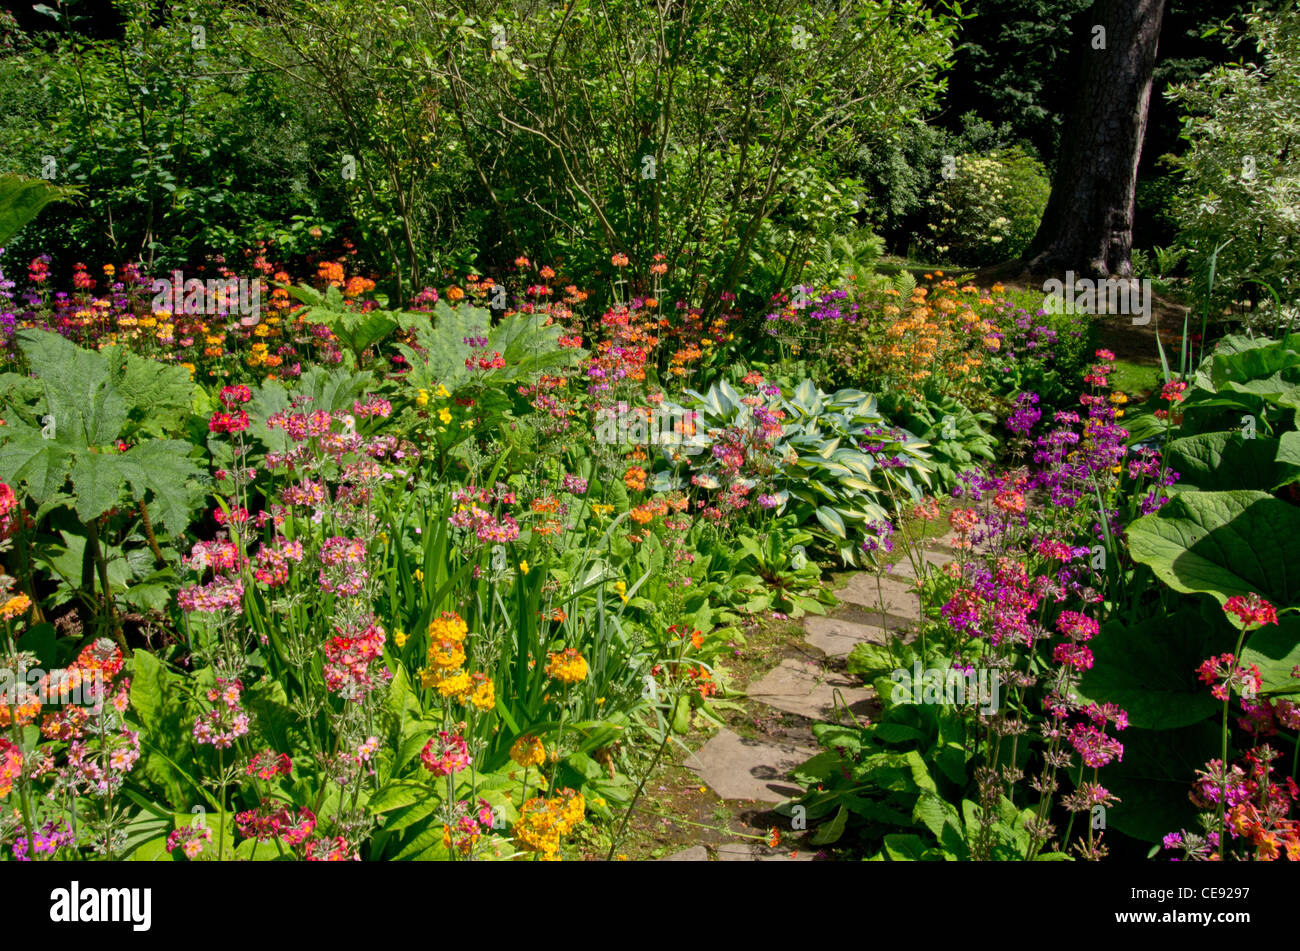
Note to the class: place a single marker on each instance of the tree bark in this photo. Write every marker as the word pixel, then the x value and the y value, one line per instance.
pixel 1087 226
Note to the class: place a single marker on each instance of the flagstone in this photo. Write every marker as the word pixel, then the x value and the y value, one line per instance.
pixel 753 852
pixel 737 767
pixel 810 690
pixel 836 636
pixel 696 853
pixel 895 596
pixel 936 559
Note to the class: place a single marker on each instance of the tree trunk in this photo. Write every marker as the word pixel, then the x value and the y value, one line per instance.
pixel 1087 226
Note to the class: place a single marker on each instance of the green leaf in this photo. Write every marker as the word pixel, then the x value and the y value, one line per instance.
pixel 334 389
pixel 906 848
pixel 161 393
pixel 833 830
pixel 97 480
pixel 869 660
pixel 1224 460
pixel 942 820
pixel 1155 776
pixel 22 198
pixel 87 409
pixel 1246 366
pixel 831 521
pixel 148 686
pixel 164 468
pixel 682 715
pixel 898 733
pixel 398 795
pixel 41 464
pixel 1223 544
pixel 1275 650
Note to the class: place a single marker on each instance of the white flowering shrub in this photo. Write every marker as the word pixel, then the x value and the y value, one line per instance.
pixel 986 209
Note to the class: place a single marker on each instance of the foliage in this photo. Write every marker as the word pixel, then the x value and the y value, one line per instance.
pixel 907 338
pixel 176 142
pixel 831 460
pixel 73 432
pixel 21 200
pixel 955 436
pixel 1238 176
pixel 987 209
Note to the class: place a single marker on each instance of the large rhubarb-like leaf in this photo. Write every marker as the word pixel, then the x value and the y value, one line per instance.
pixel 1149 668
pixel 1223 544
pixel 21 200
pixel 1224 460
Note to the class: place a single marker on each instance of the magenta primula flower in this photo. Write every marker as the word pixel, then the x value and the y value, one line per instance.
pixel 1095 747
pixel 1076 626
pixel 1078 656
pixel 349 668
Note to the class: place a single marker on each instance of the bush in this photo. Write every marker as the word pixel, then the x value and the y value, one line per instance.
pixel 900 167
pixel 987 209
pixel 1241 173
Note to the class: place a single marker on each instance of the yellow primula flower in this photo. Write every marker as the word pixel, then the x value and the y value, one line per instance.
pixel 15 606
pixel 448 626
pixel 571 808
pixel 567 666
pixel 528 751
pixel 444 414
pixel 483 696
pixel 446 655
pixel 451 685
pixel 537 829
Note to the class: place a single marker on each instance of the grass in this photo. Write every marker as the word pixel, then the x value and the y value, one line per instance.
pixel 1135 379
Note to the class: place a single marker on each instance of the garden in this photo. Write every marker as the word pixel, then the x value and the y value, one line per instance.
pixel 633 431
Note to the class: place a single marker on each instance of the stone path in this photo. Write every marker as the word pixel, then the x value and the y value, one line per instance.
pixel 755 770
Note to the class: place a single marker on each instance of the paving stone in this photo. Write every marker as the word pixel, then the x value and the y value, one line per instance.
pixel 753 852
pixel 937 559
pixel 696 853
pixel 810 690
pixel 736 767
pixel 836 636
pixel 895 595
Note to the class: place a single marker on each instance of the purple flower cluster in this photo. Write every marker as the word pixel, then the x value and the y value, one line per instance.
pixel 880 536
pixel 1026 414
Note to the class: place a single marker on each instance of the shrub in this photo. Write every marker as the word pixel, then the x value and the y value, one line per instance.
pixel 1241 173
pixel 987 209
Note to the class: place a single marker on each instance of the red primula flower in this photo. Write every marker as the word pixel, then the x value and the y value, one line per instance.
pixel 1252 609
